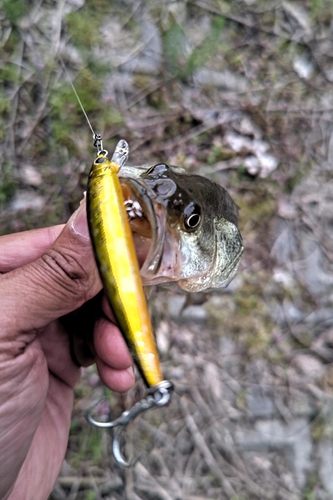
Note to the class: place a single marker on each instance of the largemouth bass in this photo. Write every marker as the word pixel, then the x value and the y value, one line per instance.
pixel 185 227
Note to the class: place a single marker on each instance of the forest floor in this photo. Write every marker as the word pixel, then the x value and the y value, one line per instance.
pixel 242 93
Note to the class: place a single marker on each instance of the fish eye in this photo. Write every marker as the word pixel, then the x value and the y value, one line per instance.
pixel 192 216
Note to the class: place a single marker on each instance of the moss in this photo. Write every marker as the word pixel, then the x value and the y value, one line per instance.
pixel 9 75
pixel 322 427
pixel 241 399
pixel 66 113
pixel 111 116
pixel 15 10
pixel 309 492
pixel 75 424
pixel 83 26
pixel 90 446
pixel 157 100
pixel 91 495
pixel 244 317
pixel 218 152
pixel 260 204
pixel 204 52
pixel 178 61
pixel 294 180
pixel 81 390
pixel 7 184
pixel 257 204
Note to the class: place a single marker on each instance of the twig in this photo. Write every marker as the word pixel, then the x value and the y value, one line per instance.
pixel 74 490
pixel 205 451
pixel 147 91
pixel 154 488
pixel 318 234
pixel 239 470
pixel 129 488
pixel 86 482
pixel 212 463
pixel 198 498
pixel 247 24
pixel 95 487
pixel 10 139
pixel 189 136
pixel 58 493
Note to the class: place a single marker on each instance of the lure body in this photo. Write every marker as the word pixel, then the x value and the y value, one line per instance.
pixel 118 266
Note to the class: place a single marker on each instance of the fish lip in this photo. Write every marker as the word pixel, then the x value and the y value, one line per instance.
pixel 156 215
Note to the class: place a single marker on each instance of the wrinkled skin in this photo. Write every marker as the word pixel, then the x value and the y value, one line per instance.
pixel 47 274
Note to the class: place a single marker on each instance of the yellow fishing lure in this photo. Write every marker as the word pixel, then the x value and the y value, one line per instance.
pixel 119 270
pixel 117 262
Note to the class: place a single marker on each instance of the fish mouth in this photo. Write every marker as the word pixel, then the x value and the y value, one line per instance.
pixel 148 222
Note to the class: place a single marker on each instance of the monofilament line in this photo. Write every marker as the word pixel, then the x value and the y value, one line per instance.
pixel 77 97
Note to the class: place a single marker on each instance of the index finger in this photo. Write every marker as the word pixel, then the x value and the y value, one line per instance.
pixel 19 249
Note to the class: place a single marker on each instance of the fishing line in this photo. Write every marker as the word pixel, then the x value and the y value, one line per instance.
pixel 78 98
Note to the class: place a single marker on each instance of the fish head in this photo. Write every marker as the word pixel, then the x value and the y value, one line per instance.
pixel 186 228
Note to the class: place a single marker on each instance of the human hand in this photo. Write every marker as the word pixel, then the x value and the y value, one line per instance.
pixel 47 273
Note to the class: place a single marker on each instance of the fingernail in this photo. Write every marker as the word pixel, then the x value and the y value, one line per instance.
pixel 79 222
pixel 130 370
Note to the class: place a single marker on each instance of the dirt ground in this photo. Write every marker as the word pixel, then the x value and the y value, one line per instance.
pixel 240 92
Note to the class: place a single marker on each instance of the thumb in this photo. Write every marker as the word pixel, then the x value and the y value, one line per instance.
pixel 60 281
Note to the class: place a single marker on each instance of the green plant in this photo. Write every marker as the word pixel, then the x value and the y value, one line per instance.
pixel 14 11
pixel 309 493
pixel 91 495
pixel 181 64
pixel 7 184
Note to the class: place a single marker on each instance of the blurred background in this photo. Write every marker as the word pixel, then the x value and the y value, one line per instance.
pixel 240 92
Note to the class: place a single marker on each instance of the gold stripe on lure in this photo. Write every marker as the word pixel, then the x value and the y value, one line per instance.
pixel 119 270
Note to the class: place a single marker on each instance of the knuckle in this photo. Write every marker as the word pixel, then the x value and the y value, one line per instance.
pixel 66 270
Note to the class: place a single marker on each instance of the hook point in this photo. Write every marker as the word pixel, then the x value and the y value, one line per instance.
pixel 158 395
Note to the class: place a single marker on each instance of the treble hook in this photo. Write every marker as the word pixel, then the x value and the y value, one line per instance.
pixel 158 395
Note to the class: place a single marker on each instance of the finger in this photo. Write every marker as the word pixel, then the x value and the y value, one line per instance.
pixel 57 283
pixel 106 308
pixel 110 346
pixel 20 249
pixel 54 342
pixel 80 325
pixel 116 380
pixel 113 360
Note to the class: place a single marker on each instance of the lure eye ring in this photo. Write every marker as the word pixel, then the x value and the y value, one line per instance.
pixel 100 159
pixel 192 217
